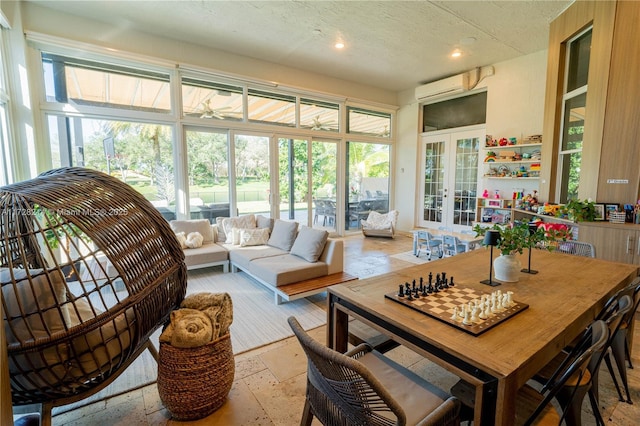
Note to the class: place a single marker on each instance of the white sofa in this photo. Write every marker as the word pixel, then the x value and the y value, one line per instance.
pixel 289 255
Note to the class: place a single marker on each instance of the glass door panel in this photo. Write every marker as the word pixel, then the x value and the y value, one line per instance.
pixel 368 181
pixel 208 172
pixel 450 170
pixel 324 162
pixel 293 180
pixel 433 184
pixel 466 181
pixel 252 179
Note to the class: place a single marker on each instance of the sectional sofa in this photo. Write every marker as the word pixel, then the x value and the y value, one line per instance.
pixel 275 253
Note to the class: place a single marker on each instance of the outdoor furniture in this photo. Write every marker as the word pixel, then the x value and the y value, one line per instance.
pixel 70 334
pixel 380 225
pixel 363 386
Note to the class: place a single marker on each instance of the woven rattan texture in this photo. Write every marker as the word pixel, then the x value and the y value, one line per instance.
pixel 194 382
pixel 89 271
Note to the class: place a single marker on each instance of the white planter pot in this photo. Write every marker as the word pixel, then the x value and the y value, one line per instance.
pixel 507 268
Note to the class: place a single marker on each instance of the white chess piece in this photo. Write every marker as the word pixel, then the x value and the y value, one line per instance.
pixel 483 313
pixel 455 313
pixel 510 298
pixel 474 314
pixel 466 320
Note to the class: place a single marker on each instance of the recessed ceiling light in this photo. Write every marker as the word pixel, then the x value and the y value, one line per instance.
pixel 456 54
pixel 339 45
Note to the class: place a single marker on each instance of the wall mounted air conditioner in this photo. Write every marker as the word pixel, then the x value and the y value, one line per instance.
pixel 442 88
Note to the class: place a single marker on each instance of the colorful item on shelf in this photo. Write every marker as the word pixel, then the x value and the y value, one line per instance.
pixel 485 193
pixel 503 142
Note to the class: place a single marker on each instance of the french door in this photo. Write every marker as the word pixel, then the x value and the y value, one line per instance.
pixel 450 178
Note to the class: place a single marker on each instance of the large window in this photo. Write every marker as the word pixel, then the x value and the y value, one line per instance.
pixel 200 145
pixel 573 115
pixel 6 172
pixel 368 184
pixel 140 154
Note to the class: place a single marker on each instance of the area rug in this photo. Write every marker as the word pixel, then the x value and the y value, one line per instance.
pixel 257 321
pixel 411 258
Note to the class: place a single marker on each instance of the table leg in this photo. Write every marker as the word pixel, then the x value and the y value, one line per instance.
pixel 415 243
pixel 337 326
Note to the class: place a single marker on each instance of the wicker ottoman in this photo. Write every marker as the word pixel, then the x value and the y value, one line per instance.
pixel 194 382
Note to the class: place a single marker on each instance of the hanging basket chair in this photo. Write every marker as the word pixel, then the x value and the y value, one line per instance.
pixel 89 269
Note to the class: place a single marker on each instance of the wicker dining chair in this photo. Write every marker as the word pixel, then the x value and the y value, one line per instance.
pixel 363 387
pixel 89 269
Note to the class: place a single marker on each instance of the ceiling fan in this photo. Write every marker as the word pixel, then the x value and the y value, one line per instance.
pixel 319 125
pixel 219 113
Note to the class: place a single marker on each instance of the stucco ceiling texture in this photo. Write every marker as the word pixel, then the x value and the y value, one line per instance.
pixel 393 45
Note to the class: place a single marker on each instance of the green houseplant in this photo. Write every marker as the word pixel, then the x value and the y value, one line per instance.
pixel 578 211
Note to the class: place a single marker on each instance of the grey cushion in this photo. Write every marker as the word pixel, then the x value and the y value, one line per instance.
pixel 242 256
pixel 207 253
pixel 222 237
pixel 286 269
pixel 309 243
pixel 264 222
pixel 283 234
pixel 202 226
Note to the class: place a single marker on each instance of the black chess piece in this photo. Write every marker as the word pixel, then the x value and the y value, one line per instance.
pixel 424 290
pixel 451 284
pixel 445 283
pixel 414 285
pixel 401 290
pixel 444 276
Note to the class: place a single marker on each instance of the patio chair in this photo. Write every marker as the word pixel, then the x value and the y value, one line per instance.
pixel 71 328
pixel 364 387
pixel 380 225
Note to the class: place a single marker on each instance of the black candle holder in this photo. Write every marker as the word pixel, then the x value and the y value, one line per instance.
pixel 491 238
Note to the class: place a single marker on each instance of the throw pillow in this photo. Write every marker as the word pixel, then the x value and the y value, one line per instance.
pixel 309 244
pixel 194 240
pixel 283 234
pixel 222 237
pixel 182 239
pixel 203 226
pixel 254 237
pixel 264 222
pixel 244 222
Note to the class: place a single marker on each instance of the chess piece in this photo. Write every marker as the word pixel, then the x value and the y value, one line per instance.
pixel 474 314
pixel 451 284
pixel 401 290
pixel 467 319
pixel 455 313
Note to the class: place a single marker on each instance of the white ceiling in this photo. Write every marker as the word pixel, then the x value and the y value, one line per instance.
pixel 394 45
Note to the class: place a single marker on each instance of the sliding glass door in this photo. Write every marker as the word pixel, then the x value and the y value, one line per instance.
pixel 253 190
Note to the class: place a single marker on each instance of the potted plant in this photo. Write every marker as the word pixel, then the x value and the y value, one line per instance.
pixel 578 211
pixel 514 238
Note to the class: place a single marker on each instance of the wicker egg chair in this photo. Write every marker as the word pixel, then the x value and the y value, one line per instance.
pixel 89 270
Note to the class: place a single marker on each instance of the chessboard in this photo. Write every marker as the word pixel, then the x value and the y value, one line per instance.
pixel 467 309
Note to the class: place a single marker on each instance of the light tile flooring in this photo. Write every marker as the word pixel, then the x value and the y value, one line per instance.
pixel 270 383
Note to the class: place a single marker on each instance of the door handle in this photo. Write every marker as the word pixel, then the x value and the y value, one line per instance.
pixel 638 247
pixel 628 244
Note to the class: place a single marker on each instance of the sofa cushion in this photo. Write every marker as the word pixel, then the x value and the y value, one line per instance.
pixel 194 225
pixel 286 269
pixel 247 222
pixel 309 243
pixel 222 237
pixel 264 222
pixel 254 237
pixel 283 234
pixel 242 256
pixel 208 253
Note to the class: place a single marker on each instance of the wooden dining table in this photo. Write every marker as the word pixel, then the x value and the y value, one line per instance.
pixel 562 299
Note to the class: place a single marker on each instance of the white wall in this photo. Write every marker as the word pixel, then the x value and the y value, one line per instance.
pixel 515 107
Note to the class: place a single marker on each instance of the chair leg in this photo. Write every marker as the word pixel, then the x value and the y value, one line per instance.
pixel 596 408
pixel 307 415
pixel 607 360
pixel 618 349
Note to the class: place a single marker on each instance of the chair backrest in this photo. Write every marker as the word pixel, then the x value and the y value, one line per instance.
pixel 613 317
pixel 452 245
pixel 342 390
pixel 575 365
pixel 633 291
pixel 577 248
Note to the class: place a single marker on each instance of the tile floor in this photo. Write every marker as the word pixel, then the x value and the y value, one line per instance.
pixel 270 382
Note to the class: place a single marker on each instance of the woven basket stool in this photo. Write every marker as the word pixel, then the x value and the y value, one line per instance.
pixel 195 382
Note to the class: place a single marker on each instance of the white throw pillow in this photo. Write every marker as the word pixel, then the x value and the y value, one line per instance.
pixel 194 240
pixel 245 222
pixel 254 237
pixel 182 239
pixel 203 226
